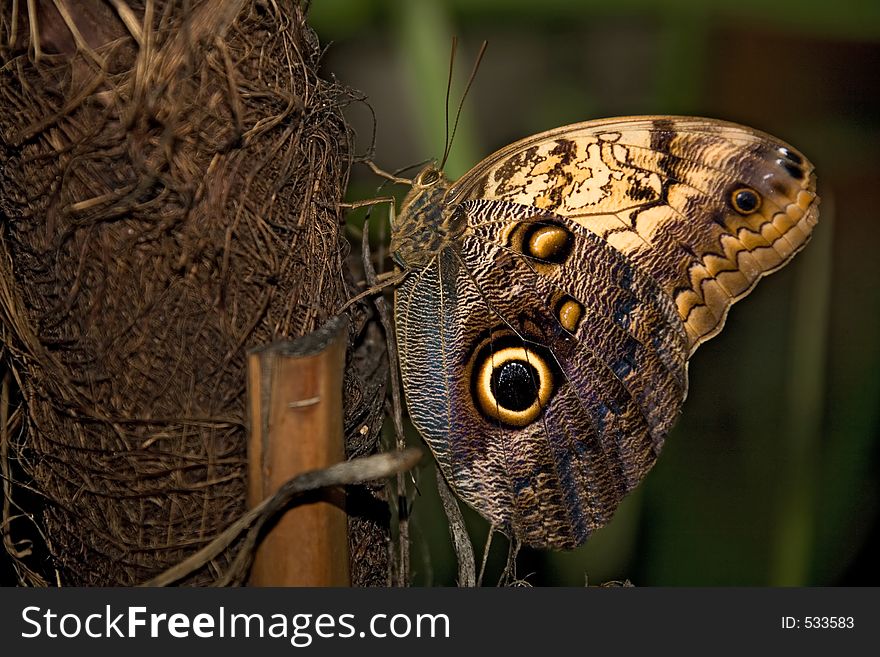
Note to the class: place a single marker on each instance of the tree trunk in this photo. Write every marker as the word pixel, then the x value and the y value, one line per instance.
pixel 169 188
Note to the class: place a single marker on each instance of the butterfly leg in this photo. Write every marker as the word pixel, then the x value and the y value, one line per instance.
pixel 509 577
pixel 368 202
pixel 379 200
pixel 383 280
pixel 464 550
pixel 403 556
pixel 386 278
pixel 486 548
pixel 388 176
pixel 376 283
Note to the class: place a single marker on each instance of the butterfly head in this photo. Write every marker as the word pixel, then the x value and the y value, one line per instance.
pixel 428 189
pixel 426 223
pixel 429 177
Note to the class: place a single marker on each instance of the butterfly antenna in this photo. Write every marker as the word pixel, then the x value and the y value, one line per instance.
pixel 417 165
pixel 446 143
pixel 461 104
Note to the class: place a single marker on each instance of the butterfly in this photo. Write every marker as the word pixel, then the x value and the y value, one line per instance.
pixel 552 296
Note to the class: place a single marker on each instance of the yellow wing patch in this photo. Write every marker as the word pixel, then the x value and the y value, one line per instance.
pixel 705 207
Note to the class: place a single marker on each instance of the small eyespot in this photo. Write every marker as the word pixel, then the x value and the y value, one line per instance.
pixel 792 169
pixel 569 313
pixel 745 200
pixel 790 155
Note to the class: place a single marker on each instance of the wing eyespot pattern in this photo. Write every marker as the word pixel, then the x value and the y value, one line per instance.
pixel 792 169
pixel 543 240
pixel 567 310
pixel 512 380
pixel 745 200
pixel 790 155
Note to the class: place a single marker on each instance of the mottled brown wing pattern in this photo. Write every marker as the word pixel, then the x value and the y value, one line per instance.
pixel 613 366
pixel 664 191
pixel 554 294
pixel 617 316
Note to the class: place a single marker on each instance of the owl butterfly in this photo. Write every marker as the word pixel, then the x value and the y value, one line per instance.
pixel 553 296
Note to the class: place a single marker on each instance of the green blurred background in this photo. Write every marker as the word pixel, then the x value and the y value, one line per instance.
pixel 771 475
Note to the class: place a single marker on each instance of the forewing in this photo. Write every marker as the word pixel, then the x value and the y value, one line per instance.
pixel 673 194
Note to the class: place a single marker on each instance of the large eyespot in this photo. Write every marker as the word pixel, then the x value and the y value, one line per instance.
pixel 745 200
pixel 512 384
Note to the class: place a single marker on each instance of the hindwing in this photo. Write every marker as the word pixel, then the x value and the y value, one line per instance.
pixel 544 385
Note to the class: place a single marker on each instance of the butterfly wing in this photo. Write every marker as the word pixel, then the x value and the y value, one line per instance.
pixel 544 348
pixel 544 386
pixel 705 207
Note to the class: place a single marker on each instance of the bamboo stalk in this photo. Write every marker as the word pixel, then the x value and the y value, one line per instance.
pixel 295 398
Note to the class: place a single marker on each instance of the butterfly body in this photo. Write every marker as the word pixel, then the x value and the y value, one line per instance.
pixel 556 291
pixel 426 228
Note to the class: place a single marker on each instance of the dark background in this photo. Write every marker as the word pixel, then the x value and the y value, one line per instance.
pixel 771 475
